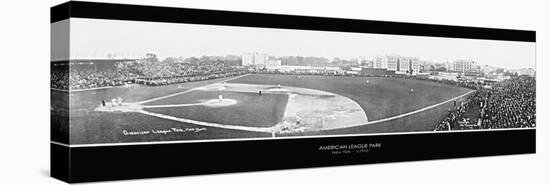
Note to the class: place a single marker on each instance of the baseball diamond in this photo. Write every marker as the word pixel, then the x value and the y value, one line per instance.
pixel 260 105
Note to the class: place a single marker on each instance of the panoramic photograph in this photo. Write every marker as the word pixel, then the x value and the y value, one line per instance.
pixel 135 81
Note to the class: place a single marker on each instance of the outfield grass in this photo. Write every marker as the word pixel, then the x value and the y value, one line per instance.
pixel 380 97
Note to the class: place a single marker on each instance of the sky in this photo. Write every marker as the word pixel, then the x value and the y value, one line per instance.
pixel 96 38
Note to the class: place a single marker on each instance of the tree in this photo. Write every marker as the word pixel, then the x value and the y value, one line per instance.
pixel 191 60
pixel 170 60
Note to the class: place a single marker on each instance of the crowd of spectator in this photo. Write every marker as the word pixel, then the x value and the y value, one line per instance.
pixel 509 104
pixel 89 79
pixel 186 79
pixel 81 76
pixel 59 78
pixel 165 73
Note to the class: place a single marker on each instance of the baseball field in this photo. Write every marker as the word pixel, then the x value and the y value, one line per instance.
pixel 253 106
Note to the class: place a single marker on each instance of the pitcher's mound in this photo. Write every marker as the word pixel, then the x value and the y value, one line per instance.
pixel 219 103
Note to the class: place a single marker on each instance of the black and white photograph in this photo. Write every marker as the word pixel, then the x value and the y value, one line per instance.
pixel 128 82
pixel 275 92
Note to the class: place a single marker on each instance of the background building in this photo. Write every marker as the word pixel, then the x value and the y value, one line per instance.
pixel 415 65
pixel 450 66
pixel 273 63
pixel 254 59
pixel 368 64
pixel 464 66
pixel 389 62
pixel 398 63
pixel 393 62
pixel 404 64
pixel 381 62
